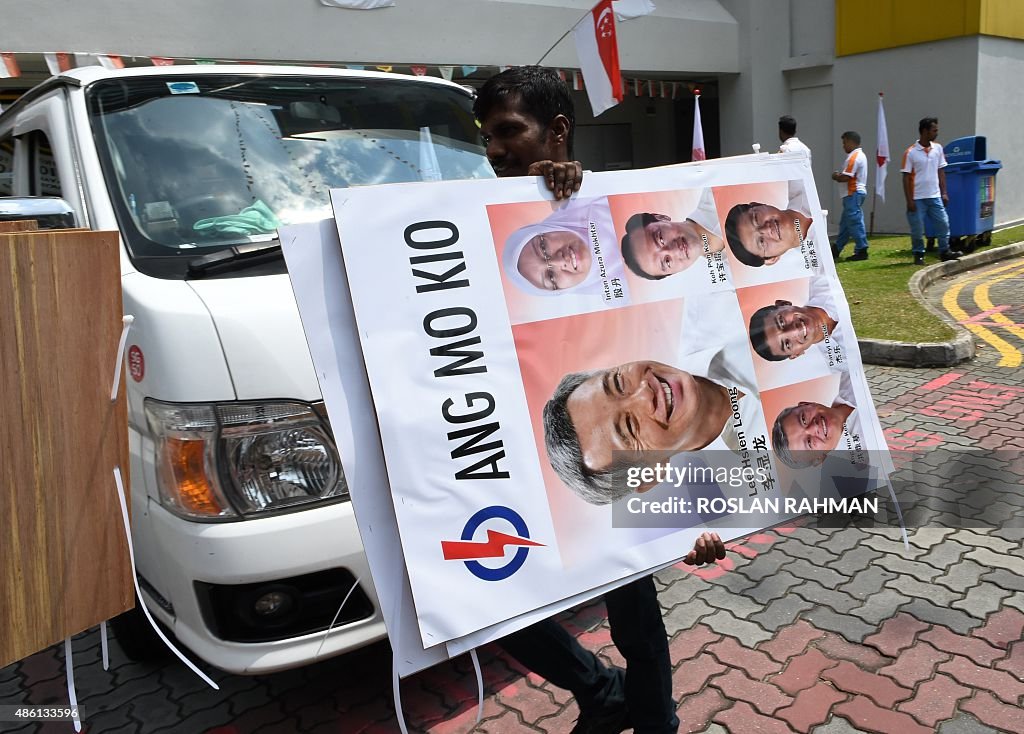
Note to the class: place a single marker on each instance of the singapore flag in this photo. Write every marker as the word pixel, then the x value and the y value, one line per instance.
pixel 599 57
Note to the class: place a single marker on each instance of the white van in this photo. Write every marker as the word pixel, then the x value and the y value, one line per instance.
pixel 245 540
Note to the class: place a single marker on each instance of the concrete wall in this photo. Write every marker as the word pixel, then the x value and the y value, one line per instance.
pixel 931 79
pixel 786 52
pixel 688 36
pixel 1000 69
pixel 752 101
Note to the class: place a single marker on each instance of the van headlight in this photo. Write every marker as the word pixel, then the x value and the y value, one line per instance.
pixel 229 461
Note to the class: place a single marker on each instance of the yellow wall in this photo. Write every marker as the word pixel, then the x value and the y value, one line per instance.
pixel 1002 18
pixel 872 25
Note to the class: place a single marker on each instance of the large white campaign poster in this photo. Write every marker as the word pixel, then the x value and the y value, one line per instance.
pixel 568 393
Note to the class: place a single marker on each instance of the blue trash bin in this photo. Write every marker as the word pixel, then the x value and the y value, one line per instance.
pixel 971 186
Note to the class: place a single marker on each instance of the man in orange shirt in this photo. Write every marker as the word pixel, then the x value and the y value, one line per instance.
pixel 854 175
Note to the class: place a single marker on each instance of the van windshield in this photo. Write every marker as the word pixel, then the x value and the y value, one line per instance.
pixel 196 164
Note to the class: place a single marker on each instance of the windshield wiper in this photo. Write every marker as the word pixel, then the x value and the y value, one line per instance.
pixel 236 257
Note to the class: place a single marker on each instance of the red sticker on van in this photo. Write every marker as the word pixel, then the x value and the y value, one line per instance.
pixel 136 363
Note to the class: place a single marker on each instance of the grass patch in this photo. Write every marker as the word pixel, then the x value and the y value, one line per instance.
pixel 880 301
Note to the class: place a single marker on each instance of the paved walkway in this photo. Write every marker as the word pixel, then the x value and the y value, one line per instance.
pixel 801 630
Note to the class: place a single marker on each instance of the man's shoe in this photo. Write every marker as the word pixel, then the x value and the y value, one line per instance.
pixel 919 259
pixel 835 252
pixel 950 255
pixel 857 256
pixel 603 721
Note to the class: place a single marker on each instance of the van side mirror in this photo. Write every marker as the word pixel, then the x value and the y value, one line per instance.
pixel 49 212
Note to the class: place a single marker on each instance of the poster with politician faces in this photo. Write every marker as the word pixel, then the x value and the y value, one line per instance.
pixel 596 253
pixel 568 393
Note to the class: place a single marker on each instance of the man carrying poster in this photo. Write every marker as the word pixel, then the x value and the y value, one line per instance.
pixel 526 123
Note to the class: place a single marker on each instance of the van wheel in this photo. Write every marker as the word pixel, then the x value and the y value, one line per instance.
pixel 135 636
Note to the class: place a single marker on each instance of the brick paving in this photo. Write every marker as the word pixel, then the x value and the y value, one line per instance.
pixel 809 630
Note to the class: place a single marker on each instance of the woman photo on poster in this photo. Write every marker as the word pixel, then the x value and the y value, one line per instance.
pixel 561 254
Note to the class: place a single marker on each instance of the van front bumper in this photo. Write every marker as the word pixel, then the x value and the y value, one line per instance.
pixel 256 596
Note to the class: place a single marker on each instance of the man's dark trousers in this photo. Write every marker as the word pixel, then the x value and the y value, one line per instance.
pixel 638 631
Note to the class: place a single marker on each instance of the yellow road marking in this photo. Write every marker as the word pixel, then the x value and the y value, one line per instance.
pixel 1011 356
pixel 981 297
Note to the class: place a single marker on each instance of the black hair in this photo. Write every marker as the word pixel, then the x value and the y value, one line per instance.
pixel 787 125
pixel 540 91
pixel 758 340
pixel 781 445
pixel 635 222
pixel 926 123
pixel 853 137
pixel 732 236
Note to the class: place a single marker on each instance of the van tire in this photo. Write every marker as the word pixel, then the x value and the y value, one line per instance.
pixel 136 637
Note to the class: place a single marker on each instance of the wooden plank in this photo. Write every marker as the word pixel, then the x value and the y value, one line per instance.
pixel 64 563
pixel 19 225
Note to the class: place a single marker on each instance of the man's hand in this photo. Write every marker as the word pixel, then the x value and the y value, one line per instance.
pixel 708 548
pixel 945 198
pixel 911 206
pixel 562 178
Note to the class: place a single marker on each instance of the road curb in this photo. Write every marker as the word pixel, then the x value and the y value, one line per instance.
pixel 935 354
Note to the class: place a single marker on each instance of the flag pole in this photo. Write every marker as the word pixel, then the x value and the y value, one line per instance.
pixel 561 37
pixel 874 205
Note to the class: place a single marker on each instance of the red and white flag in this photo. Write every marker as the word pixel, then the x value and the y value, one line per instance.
pixel 629 9
pixel 58 62
pixel 110 61
pixel 881 152
pixel 162 60
pixel 598 52
pixel 9 66
pixel 698 153
pixel 419 69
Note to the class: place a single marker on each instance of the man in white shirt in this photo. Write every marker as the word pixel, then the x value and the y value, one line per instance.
pixel 924 186
pixel 855 176
pixel 790 142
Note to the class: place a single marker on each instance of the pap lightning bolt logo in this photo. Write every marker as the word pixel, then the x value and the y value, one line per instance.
pixel 469 550
pixel 493 547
